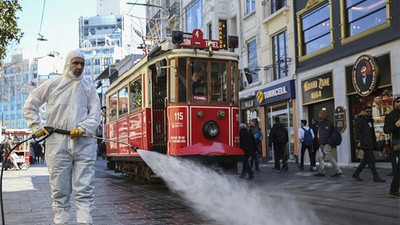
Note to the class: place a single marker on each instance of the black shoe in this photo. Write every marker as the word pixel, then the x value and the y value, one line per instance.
pixel 319 174
pixel 311 169
pixel 357 177
pixel 285 167
pixel 250 177
pixel 378 179
pixel 394 194
pixel 337 174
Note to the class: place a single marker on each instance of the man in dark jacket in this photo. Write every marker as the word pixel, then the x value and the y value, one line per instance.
pixel 278 137
pixel 366 141
pixel 392 125
pixel 247 144
pixel 325 131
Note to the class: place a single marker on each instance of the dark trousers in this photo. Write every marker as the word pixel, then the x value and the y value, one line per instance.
pixel 255 159
pixel 369 158
pixel 311 154
pixel 393 158
pixel 246 166
pixel 279 152
pixel 394 187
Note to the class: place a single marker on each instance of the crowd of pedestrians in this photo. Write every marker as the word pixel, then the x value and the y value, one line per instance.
pixel 318 140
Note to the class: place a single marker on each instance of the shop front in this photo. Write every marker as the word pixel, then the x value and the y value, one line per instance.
pixel 278 101
pixel 368 82
pixel 317 94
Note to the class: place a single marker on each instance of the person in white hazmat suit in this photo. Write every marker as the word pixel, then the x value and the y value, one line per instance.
pixel 71 104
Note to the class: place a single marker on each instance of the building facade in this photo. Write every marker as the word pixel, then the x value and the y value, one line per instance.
pixel 347 58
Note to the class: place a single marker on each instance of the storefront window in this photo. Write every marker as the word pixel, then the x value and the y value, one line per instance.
pixel 381 102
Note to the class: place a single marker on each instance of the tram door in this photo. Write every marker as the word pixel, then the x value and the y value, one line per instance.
pixel 159 116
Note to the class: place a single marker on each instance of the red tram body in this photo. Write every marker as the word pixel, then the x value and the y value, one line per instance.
pixel 156 106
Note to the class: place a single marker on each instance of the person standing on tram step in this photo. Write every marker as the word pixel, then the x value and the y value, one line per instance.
pixel 392 126
pixel 306 138
pixel 71 104
pixel 278 138
pixel 366 142
pixel 247 144
pixel 258 137
pixel 325 133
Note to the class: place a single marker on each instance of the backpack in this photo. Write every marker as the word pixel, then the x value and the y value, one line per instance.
pixel 336 138
pixel 308 139
pixel 281 135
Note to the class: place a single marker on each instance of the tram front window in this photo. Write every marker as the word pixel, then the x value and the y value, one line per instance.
pixel 199 81
pixel 218 82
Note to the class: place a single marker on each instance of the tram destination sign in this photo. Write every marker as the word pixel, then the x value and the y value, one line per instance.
pixel 197 41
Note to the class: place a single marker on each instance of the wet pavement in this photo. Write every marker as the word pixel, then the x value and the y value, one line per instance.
pixel 340 200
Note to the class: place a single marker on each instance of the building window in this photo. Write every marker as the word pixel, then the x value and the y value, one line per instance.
pixel 315 29
pixel 87 71
pixel 96 62
pixel 280 47
pixel 210 31
pixel 97 71
pixel 250 6
pixel 252 60
pixel 194 15
pixel 277 4
pixel 363 15
pixel 87 62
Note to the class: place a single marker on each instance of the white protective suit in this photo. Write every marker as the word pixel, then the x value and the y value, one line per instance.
pixel 71 102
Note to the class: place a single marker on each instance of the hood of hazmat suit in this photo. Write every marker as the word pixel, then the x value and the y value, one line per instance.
pixel 71 102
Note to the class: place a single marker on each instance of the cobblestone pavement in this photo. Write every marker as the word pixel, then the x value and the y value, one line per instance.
pixel 27 200
pixel 340 200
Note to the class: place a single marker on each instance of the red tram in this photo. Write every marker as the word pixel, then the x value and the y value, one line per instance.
pixel 180 101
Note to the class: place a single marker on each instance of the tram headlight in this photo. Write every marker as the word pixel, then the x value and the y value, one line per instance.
pixel 210 129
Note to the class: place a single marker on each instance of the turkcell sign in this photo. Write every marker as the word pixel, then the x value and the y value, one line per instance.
pixel 276 93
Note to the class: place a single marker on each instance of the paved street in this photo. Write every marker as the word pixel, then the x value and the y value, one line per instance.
pixel 120 201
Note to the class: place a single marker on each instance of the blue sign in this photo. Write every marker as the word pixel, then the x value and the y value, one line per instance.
pixel 276 93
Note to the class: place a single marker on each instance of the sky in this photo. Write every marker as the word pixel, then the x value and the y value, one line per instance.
pixel 60 25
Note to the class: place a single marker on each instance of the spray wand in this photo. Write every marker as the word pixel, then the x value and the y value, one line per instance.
pixel 51 130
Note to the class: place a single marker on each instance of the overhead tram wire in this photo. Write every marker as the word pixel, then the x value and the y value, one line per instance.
pixel 40 37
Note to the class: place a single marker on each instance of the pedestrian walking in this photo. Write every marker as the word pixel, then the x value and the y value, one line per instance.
pixel 72 104
pixel 314 127
pixel 325 134
pixel 247 145
pixel 306 138
pixel 278 138
pixel 365 132
pixel 392 126
pixel 258 137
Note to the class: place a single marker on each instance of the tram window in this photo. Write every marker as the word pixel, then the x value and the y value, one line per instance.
pixel 199 81
pixel 113 106
pixel 218 82
pixel 135 95
pixel 177 89
pixel 123 101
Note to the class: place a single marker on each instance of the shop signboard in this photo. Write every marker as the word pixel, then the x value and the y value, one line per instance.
pixel 318 88
pixel 365 75
pixel 276 93
pixel 340 118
